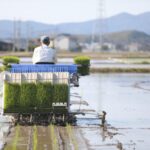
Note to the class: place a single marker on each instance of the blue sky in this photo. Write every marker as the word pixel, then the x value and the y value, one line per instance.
pixel 60 11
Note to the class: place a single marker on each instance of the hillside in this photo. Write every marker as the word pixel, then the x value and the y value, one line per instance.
pixel 127 37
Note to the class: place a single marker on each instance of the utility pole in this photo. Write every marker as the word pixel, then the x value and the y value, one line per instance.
pixel 99 27
pixel 101 22
pixel 19 34
pixel 14 35
pixel 93 37
pixel 28 37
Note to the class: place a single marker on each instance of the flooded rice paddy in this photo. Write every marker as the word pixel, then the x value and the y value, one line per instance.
pixel 125 98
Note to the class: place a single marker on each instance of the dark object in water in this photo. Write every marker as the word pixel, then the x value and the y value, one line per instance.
pixel 74 79
pixel 103 117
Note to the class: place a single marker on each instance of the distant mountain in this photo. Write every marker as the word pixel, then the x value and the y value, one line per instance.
pixel 126 21
pixel 127 37
pixel 117 23
pixel 28 28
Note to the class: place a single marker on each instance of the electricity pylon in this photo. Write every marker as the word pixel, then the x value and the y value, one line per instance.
pixel 99 26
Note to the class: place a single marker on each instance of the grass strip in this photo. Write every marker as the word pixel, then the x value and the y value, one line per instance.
pixel 120 70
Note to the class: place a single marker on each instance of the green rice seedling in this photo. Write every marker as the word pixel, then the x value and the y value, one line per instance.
pixel 7 60
pixel 28 95
pixel 54 141
pixel 60 93
pixel 10 59
pixel 5 68
pixel 16 138
pixel 35 140
pixel 84 63
pixel 1 69
pixel 11 96
pixel 44 94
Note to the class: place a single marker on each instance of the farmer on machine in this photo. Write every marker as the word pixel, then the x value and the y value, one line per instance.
pixel 44 54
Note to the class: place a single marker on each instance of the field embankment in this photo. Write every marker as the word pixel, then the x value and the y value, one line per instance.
pixel 120 70
pixel 139 58
pixel 93 55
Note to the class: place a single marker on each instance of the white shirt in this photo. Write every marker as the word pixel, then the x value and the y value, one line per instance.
pixel 44 54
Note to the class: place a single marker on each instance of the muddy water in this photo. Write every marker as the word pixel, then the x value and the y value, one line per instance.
pixel 126 99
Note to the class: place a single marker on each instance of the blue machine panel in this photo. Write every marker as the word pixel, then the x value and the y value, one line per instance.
pixel 25 68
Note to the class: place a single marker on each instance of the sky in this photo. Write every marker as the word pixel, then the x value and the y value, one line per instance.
pixel 60 11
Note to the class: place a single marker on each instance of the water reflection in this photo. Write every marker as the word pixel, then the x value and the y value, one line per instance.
pixel 116 94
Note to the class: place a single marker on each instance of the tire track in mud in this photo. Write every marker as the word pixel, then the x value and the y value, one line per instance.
pixel 45 138
pixel 71 138
pixel 53 132
pixel 81 140
pixel 18 139
pixel 29 146
pixel 64 139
